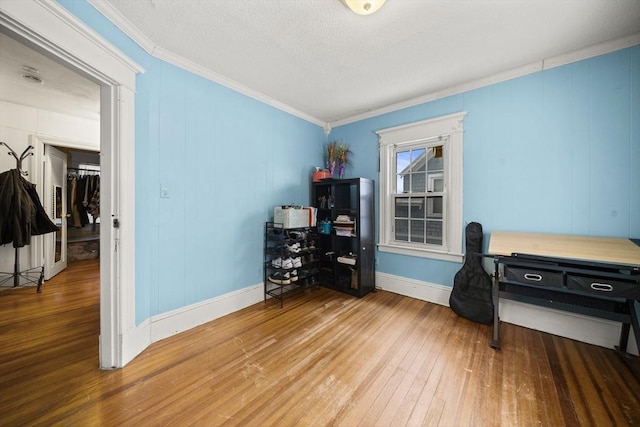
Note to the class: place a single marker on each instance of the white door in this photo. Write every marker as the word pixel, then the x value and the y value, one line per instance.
pixel 55 203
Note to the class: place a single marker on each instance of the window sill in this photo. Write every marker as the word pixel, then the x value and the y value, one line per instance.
pixel 423 253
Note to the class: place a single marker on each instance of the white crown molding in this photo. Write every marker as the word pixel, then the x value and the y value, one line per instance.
pixel 113 15
pixel 118 19
pixel 544 64
pixel 591 51
pixel 204 72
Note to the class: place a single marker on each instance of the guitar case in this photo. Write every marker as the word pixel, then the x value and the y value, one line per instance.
pixel 471 294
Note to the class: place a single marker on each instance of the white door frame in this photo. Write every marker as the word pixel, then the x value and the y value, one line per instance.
pixel 38 142
pixel 51 29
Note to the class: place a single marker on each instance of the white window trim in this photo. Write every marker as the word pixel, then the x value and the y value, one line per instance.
pixel 451 127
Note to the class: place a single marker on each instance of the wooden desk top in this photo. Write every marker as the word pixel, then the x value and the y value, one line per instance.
pixel 600 249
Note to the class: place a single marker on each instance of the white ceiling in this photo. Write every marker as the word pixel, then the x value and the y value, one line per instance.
pixel 61 90
pixel 322 62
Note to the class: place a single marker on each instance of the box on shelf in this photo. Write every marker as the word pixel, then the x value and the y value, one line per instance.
pixel 293 217
pixel 350 259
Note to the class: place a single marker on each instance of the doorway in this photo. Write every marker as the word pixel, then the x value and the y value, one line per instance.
pixel 52 30
pixel 72 184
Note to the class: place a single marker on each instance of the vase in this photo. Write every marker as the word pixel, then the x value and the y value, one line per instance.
pixel 332 168
pixel 341 171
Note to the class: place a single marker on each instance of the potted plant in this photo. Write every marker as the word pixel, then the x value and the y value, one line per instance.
pixel 330 156
pixel 342 155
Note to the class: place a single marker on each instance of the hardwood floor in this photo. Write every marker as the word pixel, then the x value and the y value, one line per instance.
pixel 324 359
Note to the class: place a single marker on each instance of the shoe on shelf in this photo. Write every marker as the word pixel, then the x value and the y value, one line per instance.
pixel 297 262
pixel 294 248
pixel 278 249
pixel 276 234
pixel 296 234
pixel 286 263
pixel 280 278
pixel 293 275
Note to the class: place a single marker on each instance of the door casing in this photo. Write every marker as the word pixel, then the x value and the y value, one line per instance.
pixel 49 28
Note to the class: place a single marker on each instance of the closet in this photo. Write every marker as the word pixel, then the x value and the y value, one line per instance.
pixel 83 205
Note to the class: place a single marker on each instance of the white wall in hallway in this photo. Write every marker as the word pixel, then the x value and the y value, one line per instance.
pixel 17 124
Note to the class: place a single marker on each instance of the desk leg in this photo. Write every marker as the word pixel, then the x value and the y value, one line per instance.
pixel 624 337
pixel 634 321
pixel 624 332
pixel 631 361
pixel 495 291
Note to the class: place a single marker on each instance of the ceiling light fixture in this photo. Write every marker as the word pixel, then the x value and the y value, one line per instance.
pixel 30 69
pixel 32 79
pixel 364 7
pixel 31 74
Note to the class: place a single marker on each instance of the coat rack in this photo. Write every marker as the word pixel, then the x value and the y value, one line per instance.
pixel 23 217
pixel 26 153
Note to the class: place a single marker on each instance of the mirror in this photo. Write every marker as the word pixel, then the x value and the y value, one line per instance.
pixel 57 209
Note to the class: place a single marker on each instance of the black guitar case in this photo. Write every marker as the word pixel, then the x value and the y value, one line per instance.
pixel 471 294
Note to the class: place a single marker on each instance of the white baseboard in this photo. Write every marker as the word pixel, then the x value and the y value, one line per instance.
pixel 135 341
pixel 592 330
pixel 587 329
pixel 173 322
pixel 180 320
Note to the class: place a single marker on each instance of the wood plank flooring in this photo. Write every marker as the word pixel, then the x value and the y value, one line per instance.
pixel 324 359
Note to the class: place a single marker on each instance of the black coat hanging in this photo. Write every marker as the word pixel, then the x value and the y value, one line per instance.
pixel 21 215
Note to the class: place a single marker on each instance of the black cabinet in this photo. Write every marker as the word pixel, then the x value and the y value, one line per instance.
pixel 346 230
pixel 290 259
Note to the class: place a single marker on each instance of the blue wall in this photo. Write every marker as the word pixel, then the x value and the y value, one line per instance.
pixel 556 151
pixel 553 152
pixel 226 160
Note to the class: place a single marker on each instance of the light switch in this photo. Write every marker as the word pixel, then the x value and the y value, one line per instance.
pixel 164 192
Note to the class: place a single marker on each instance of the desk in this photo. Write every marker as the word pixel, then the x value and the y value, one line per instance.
pixel 595 276
pixel 586 248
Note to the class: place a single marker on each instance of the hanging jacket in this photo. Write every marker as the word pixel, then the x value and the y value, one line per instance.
pixel 21 213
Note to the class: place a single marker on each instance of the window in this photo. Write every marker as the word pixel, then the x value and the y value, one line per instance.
pixel 421 188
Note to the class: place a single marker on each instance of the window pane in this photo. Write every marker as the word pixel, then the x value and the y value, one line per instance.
pixel 435 169
pixel 402 183
pixel 438 184
pixel 434 207
pixel 417 231
pixel 403 163
pixel 436 159
pixel 402 207
pixel 418 182
pixel 434 232
pixel 402 230
pixel 418 162
pixel 417 209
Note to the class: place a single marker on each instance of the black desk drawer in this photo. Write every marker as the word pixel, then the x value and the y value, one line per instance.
pixel 603 286
pixel 534 276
